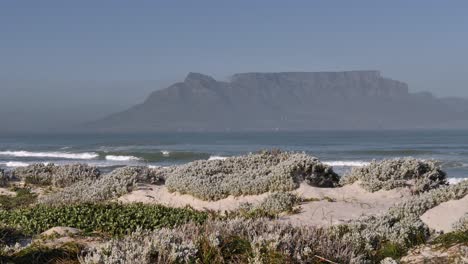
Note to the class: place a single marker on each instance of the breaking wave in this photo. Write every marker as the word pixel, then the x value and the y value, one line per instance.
pixel 217 158
pixel 15 164
pixel 63 155
pixel 121 158
pixel 346 163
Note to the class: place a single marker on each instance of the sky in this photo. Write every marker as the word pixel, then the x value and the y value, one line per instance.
pixel 122 50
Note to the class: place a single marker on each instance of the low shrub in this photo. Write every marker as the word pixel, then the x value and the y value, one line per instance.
pixel 422 176
pixel 252 174
pixel 232 241
pixel 59 176
pixel 111 218
pixel 109 186
pixel 271 206
pixel 462 224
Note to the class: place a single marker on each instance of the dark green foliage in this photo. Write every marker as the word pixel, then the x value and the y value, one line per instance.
pixel 451 239
pixel 9 235
pixel 3 178
pixel 232 249
pixel 66 254
pixel 111 218
pixel 391 250
pixel 24 197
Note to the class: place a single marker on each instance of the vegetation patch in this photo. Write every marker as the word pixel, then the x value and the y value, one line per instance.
pixel 267 171
pixel 270 207
pixel 38 254
pixel 111 218
pixel 58 176
pixel 421 176
pixel 23 198
pixel 3 178
pixel 231 241
pixel 450 239
pixel 106 187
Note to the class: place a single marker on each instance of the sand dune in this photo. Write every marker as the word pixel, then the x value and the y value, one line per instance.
pixel 442 217
pixel 349 202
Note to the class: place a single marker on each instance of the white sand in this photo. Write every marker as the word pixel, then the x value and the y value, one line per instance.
pixel 351 202
pixel 160 195
pixel 442 217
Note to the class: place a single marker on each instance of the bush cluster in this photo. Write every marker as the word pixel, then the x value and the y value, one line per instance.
pixel 401 226
pixel 249 175
pixel 111 218
pixel 272 205
pixel 389 174
pixel 109 186
pixel 232 241
pixel 59 176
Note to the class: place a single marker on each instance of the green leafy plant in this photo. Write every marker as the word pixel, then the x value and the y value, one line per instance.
pixel 111 218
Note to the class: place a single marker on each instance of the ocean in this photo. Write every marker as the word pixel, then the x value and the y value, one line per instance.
pixel 341 149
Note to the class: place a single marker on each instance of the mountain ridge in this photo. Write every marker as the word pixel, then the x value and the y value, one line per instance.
pixel 287 101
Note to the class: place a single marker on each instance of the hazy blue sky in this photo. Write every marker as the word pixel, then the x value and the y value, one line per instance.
pixel 424 43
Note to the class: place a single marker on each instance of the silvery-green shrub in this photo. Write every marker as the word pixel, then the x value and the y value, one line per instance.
pixel 59 176
pixel 249 175
pixel 108 186
pixel 180 245
pixel 462 224
pixel 420 175
pixel 279 202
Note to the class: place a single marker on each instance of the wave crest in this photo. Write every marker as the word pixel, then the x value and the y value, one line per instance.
pixel 63 155
pixel 346 163
pixel 217 158
pixel 15 164
pixel 121 158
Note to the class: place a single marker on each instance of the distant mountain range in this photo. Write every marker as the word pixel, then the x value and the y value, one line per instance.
pixel 288 101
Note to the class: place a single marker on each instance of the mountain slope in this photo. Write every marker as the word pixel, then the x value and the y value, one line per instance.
pixel 288 101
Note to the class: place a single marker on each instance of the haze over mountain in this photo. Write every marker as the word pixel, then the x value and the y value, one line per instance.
pixel 288 101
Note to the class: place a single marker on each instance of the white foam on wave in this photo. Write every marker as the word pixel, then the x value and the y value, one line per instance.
pixel 165 153
pixel 121 158
pixel 15 164
pixel 217 158
pixel 156 167
pixel 346 163
pixel 64 155
pixel 456 180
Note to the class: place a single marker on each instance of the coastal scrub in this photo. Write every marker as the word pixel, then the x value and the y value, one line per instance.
pixel 420 176
pixel 267 171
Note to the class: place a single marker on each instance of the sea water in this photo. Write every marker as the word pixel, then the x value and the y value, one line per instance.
pixel 340 149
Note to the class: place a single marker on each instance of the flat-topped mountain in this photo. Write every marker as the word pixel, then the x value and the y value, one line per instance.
pixel 288 101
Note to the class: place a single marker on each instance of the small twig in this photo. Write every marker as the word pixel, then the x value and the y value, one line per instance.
pixel 324 259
